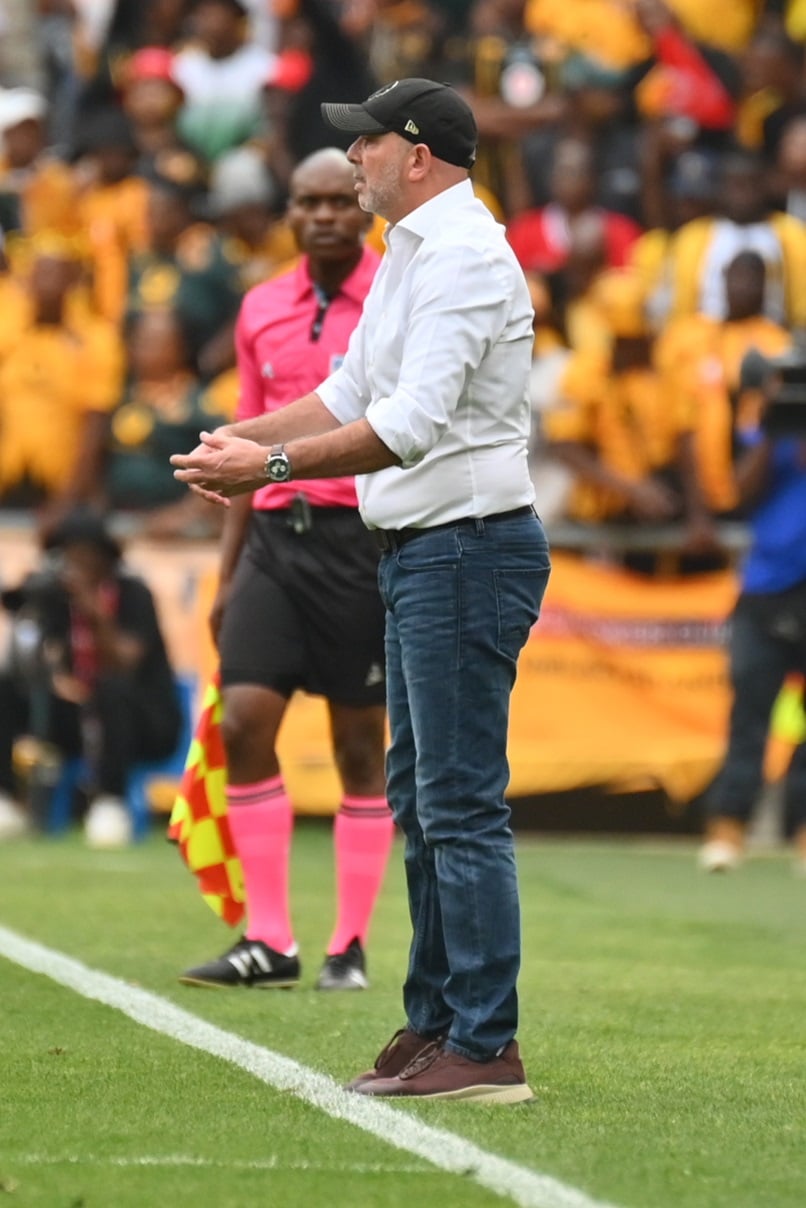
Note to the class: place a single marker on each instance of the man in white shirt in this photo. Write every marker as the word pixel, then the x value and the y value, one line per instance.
pixel 430 410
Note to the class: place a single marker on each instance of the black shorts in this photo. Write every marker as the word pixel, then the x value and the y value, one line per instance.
pixel 305 611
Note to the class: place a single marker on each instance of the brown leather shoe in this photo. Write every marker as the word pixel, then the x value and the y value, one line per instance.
pixel 437 1073
pixel 398 1053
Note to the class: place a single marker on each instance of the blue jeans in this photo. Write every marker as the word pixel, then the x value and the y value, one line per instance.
pixel 460 603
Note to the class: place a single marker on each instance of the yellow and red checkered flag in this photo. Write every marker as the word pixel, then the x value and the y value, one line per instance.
pixel 198 822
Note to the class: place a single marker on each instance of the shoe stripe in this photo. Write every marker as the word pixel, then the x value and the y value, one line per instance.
pixel 260 959
pixel 249 960
pixel 240 963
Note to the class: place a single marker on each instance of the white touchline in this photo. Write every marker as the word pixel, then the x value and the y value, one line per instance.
pixel 181 1159
pixel 442 1149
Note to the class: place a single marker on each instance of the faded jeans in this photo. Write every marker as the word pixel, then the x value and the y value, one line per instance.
pixel 461 601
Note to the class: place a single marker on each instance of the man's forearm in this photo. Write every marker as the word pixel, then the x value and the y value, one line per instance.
pixel 226 464
pixel 308 416
pixel 351 449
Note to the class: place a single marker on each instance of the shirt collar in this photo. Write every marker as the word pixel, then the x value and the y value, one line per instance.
pixel 430 214
pixel 355 287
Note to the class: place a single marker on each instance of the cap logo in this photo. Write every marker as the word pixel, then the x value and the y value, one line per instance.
pixel 410 127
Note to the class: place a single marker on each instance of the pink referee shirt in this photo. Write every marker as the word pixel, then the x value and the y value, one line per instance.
pixel 278 361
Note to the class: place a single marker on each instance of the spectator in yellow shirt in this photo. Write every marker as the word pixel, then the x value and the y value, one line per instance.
pixel 58 381
pixel 114 205
pixel 700 359
pixel 616 427
pixel 37 190
pixel 743 221
pixel 674 196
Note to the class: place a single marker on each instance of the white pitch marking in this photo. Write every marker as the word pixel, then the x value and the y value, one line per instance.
pixel 184 1159
pixel 444 1150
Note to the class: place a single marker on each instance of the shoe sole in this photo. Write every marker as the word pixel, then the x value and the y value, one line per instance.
pixel 217 985
pixel 518 1093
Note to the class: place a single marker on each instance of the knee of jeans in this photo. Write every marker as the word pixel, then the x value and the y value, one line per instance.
pixel 457 826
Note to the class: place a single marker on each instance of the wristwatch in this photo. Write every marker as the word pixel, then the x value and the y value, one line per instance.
pixel 277 467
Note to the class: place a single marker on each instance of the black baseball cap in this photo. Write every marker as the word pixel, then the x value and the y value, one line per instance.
pixel 421 111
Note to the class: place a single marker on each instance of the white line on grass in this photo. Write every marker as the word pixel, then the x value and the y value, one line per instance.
pixel 185 1159
pixel 442 1149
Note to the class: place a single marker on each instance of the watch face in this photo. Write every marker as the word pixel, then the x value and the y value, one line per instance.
pixel 278 467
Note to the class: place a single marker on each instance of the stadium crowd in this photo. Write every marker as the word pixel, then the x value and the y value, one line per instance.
pixel 647 157
pixel 636 151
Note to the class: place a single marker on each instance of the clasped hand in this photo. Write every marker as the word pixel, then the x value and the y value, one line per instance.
pixel 220 466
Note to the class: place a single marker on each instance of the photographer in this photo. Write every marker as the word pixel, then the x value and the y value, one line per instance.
pixel 88 673
pixel 768 636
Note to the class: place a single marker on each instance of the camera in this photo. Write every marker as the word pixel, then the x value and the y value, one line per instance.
pixel 38 606
pixel 39 590
pixel 783 379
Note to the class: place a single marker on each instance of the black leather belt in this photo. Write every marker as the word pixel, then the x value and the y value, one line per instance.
pixel 390 539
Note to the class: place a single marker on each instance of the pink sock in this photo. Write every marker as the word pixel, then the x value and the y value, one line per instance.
pixel 362 837
pixel 261 820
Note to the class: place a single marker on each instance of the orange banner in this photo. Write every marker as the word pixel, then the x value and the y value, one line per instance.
pixel 622 684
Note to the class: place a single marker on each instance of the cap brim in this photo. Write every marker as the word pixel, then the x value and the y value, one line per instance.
pixel 352 118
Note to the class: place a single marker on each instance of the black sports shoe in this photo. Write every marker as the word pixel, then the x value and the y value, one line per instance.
pixel 345 970
pixel 248 963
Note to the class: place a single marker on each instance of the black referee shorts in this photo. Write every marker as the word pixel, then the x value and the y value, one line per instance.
pixel 305 611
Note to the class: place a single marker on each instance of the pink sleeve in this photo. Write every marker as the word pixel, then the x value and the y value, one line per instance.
pixel 250 399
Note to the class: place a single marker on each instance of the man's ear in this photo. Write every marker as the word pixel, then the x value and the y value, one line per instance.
pixel 420 161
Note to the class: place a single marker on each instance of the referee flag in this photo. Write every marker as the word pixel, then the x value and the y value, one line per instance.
pixel 198 822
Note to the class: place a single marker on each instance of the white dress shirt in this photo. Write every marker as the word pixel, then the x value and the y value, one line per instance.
pixel 439 365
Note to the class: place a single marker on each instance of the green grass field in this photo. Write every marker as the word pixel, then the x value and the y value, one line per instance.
pixel 663 1027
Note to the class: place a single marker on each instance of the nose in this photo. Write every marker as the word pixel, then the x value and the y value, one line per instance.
pixel 323 211
pixel 355 149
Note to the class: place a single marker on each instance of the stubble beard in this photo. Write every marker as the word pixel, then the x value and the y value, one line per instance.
pixel 383 195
